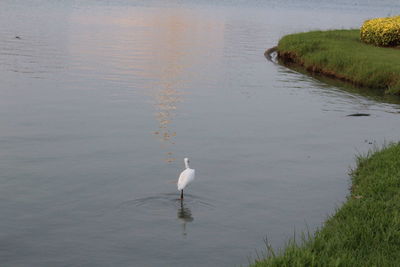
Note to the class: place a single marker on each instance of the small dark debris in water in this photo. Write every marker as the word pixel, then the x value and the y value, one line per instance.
pixel 17 37
pixel 369 142
pixel 358 115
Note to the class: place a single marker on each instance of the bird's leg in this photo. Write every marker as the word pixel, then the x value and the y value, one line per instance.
pixel 182 194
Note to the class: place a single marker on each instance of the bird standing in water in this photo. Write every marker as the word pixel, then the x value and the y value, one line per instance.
pixel 186 177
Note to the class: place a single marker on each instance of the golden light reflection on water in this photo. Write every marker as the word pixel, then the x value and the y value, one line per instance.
pixel 168 91
pixel 179 32
pixel 157 48
pixel 166 102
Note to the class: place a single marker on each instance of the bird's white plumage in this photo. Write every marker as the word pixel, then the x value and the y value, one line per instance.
pixel 186 177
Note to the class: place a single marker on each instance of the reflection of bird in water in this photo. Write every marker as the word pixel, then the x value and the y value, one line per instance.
pixel 185 215
pixel 186 177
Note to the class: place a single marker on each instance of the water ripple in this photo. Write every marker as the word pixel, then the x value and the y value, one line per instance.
pixel 170 200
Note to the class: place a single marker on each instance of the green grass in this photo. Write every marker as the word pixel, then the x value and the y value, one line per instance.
pixel 365 231
pixel 341 54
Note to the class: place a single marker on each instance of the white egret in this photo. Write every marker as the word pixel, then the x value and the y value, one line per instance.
pixel 186 177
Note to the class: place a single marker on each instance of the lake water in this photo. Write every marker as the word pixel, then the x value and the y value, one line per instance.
pixel 102 100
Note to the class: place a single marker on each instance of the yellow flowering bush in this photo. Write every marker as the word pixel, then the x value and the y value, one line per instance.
pixel 381 31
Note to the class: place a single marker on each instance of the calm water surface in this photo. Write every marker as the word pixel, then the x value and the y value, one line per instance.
pixel 102 100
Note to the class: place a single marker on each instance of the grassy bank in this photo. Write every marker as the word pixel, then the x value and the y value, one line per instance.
pixel 340 54
pixel 365 231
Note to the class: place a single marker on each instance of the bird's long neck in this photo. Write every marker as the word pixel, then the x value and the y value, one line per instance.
pixel 187 165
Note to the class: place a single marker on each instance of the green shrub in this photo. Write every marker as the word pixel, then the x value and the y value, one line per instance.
pixel 381 31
